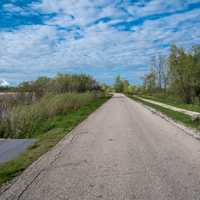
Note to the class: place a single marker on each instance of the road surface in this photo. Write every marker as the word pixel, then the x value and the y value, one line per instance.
pixel 121 152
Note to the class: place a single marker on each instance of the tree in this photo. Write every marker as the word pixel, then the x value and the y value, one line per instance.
pixel 125 86
pixel 150 81
pixel 118 85
pixel 60 84
pixel 106 88
pixel 121 85
pixel 182 79
pixel 159 65
pixel 178 74
pixel 196 59
pixel 131 89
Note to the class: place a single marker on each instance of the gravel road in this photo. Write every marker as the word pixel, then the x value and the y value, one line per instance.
pixel 121 152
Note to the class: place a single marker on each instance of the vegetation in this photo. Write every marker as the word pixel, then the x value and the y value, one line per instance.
pixel 171 100
pixel 176 116
pixel 177 75
pixel 31 91
pixel 30 103
pixel 107 88
pixel 122 85
pixel 24 120
pixel 174 80
pixel 49 132
pixel 62 83
pixel 6 88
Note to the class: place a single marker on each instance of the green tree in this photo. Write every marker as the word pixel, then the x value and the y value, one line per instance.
pixel 118 85
pixel 196 59
pixel 131 89
pixel 60 84
pixel 125 86
pixel 182 70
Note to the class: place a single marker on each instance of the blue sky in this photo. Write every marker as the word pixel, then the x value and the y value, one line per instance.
pixel 103 38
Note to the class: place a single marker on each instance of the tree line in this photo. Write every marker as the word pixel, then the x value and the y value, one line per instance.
pixel 123 85
pixel 62 83
pixel 28 104
pixel 28 92
pixel 177 74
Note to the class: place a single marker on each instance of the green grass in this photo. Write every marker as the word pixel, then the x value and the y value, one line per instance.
pixel 49 133
pixel 176 116
pixel 173 101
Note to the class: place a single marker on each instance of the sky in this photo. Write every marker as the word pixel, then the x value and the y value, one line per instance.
pixel 103 38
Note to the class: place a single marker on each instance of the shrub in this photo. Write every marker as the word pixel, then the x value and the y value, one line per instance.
pixel 23 120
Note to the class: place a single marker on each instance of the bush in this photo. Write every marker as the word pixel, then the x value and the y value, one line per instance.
pixel 23 120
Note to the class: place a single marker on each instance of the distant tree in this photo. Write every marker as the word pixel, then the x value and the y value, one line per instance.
pixel 41 86
pixel 106 88
pixel 125 86
pixel 118 85
pixel 131 89
pixel 150 81
pixel 60 84
pixel 159 65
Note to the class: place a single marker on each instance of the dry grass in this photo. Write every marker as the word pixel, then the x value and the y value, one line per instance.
pixel 23 120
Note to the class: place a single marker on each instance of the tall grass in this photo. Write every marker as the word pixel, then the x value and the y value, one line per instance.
pixel 8 100
pixel 23 120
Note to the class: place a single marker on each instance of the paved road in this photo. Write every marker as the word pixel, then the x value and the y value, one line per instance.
pixel 121 152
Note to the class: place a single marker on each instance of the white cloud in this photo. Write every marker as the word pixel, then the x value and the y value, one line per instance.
pixel 34 50
pixel 4 83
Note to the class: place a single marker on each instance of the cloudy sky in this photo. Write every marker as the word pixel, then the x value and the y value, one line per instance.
pixel 103 38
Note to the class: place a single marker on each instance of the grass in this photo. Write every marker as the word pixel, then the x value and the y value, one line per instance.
pixel 176 116
pixel 173 101
pixel 23 121
pixel 49 133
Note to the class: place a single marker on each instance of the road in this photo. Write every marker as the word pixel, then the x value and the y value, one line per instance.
pixel 121 152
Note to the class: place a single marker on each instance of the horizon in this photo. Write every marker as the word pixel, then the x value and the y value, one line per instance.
pixel 103 39
pixel 5 84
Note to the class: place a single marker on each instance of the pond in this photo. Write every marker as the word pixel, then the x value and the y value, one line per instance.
pixel 11 148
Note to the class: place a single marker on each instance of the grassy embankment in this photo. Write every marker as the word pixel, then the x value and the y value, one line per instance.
pixel 48 120
pixel 172 100
pixel 176 116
